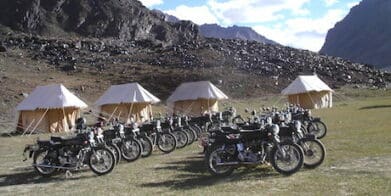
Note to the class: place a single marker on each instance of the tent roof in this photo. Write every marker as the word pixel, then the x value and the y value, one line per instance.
pixel 50 97
pixel 303 84
pixel 126 93
pixel 196 90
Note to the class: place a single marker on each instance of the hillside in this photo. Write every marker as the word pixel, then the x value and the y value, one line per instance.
pixel 120 19
pixel 219 32
pixel 363 35
pixel 234 32
pixel 88 64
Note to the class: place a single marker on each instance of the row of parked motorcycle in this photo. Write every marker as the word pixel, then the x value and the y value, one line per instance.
pixel 104 145
pixel 286 139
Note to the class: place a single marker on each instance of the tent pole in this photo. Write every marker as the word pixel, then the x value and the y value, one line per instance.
pixel 208 106
pixel 150 111
pixel 311 100
pixel 188 109
pixel 112 114
pixel 119 114
pixel 130 111
pixel 28 127
pixel 40 120
pixel 66 120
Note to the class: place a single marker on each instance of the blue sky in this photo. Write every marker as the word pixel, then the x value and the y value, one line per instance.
pixel 296 23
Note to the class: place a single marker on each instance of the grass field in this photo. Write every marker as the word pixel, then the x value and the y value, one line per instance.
pixel 358 162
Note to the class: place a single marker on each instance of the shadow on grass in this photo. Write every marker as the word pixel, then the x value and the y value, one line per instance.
pixel 375 107
pixel 194 174
pixel 30 176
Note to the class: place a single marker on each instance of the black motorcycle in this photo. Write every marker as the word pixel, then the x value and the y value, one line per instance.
pixel 163 139
pixel 174 126
pixel 230 148
pixel 314 150
pixel 312 124
pixel 142 138
pixel 70 153
pixel 129 147
pixel 190 131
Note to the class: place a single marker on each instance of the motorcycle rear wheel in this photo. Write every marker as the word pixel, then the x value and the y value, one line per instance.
pixel 101 160
pixel 212 157
pixel 291 162
pixel 40 158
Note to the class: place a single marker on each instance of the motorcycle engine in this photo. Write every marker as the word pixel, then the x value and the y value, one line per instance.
pixel 67 156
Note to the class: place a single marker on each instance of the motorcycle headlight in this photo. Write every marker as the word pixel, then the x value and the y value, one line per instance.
pixel 309 112
pixel 121 130
pixel 135 125
pixel 158 126
pixel 297 125
pixel 269 120
pixel 275 129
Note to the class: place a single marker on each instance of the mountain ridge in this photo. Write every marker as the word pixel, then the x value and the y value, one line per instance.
pixel 363 35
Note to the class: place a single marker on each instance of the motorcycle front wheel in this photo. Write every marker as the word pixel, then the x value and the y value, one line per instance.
pixel 147 146
pixel 216 155
pixel 314 152
pixel 101 160
pixel 181 138
pixel 41 158
pixel 288 158
pixel 318 128
pixel 166 142
pixel 130 149
pixel 116 151
pixel 191 135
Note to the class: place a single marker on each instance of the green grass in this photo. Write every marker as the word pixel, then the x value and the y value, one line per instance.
pixel 358 162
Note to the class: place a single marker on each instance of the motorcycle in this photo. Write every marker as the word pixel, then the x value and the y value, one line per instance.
pixel 142 138
pixel 313 148
pixel 232 147
pixel 312 125
pixel 163 139
pixel 70 153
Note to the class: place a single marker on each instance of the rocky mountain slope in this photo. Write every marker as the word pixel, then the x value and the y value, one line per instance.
pixel 88 64
pixel 120 19
pixel 217 31
pixel 234 32
pixel 363 35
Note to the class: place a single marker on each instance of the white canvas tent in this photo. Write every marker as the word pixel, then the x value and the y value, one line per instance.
pixel 126 101
pixel 310 92
pixel 195 98
pixel 51 108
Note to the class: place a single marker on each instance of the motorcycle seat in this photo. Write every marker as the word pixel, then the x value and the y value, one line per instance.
pixel 250 131
pixel 43 142
pixel 70 140
pixel 229 129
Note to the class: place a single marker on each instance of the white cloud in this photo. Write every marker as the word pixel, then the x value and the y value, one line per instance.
pixel 302 32
pixel 150 3
pixel 255 11
pixel 199 15
pixel 330 3
pixel 352 4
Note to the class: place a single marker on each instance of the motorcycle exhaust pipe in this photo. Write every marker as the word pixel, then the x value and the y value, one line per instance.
pixel 237 163
pixel 51 166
